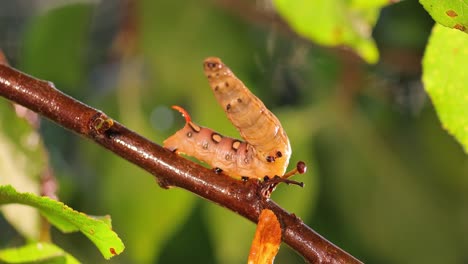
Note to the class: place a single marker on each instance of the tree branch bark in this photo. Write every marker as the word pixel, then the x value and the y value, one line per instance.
pixel 169 169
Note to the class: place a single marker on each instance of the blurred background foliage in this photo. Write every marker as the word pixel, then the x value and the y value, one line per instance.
pixel 385 181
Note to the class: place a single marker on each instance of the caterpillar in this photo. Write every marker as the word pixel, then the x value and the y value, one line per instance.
pixel 265 151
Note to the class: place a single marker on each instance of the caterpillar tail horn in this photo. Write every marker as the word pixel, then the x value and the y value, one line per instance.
pixel 184 113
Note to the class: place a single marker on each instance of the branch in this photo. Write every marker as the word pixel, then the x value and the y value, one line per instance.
pixel 169 169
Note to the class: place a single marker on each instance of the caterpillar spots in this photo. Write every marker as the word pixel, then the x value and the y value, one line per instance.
pixel 195 127
pixel 235 145
pixel 205 145
pixel 227 154
pixel 216 137
pixel 265 150
pixel 270 158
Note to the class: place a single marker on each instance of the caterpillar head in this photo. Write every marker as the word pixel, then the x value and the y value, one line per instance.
pixel 220 77
pixel 213 65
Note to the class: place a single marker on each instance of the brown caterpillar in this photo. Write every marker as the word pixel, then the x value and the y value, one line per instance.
pixel 266 150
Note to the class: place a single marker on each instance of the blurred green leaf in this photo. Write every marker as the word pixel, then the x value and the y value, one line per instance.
pixel 450 13
pixel 190 235
pixel 67 219
pixel 383 196
pixel 37 253
pixel 231 234
pixel 335 22
pixel 22 161
pixel 181 81
pixel 445 79
pixel 55 45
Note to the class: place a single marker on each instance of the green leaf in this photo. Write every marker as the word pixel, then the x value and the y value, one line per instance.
pixel 450 13
pixel 66 219
pixel 445 79
pixel 37 253
pixel 335 22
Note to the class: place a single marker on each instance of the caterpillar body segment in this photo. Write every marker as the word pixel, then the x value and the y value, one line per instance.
pixel 236 158
pixel 255 123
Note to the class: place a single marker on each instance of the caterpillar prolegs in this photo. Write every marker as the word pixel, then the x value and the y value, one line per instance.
pixel 265 151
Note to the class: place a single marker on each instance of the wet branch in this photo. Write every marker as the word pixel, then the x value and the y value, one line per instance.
pixel 169 169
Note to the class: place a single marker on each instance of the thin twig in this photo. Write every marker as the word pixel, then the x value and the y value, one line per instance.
pixel 169 169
